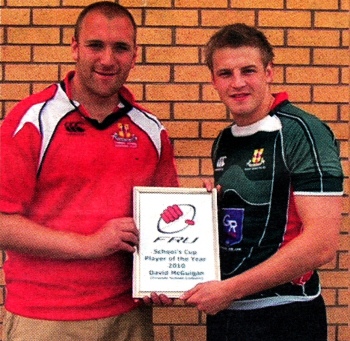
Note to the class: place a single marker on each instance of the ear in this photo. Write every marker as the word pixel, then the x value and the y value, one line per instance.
pixel 269 72
pixel 74 49
pixel 134 58
pixel 213 79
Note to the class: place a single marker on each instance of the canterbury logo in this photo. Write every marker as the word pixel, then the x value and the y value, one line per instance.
pixel 74 127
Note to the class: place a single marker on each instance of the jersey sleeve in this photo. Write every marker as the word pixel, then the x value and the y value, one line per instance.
pixel 166 174
pixel 19 160
pixel 312 157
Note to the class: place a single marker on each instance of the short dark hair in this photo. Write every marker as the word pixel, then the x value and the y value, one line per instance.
pixel 108 9
pixel 239 35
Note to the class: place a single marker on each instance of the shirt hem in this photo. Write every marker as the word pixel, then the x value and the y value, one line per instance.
pixel 270 302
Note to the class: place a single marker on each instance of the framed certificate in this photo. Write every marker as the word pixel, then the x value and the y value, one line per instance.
pixel 178 240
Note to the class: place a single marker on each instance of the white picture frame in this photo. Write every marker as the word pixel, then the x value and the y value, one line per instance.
pixel 174 256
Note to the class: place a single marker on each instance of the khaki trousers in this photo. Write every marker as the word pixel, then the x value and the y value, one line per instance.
pixel 133 326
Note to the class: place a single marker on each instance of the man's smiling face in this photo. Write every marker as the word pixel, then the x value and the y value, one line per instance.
pixel 104 53
pixel 242 82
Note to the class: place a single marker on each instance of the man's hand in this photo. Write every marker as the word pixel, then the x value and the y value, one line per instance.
pixel 209 186
pixel 209 297
pixel 158 300
pixel 116 235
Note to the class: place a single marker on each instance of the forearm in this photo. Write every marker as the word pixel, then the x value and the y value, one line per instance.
pixel 25 236
pixel 292 261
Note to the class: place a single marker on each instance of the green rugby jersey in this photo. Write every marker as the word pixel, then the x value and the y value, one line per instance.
pixel 261 168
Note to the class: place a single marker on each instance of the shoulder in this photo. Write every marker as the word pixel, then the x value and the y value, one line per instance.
pixel 137 113
pixel 32 104
pixel 34 99
pixel 221 140
pixel 295 119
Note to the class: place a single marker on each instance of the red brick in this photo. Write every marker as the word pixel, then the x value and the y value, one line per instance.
pixel 334 279
pixel 33 3
pixel 2 277
pixel 274 36
pixel 171 92
pixel 312 75
pixel 332 19
pixel 175 315
pixel 154 35
pixel 162 333
pixel 67 3
pixel 345 38
pixel 297 93
pixel 193 333
pixel 171 54
pixel 272 4
pixel 31 72
pixel 285 18
pixel 13 53
pixel 331 94
pixel 15 16
pixel 322 38
pixel 329 296
pixel 161 109
pixel 193 36
pixel 212 129
pixel 193 148
pixel 331 56
pixel 55 16
pixel 14 91
pixel 225 17
pixel 345 75
pixel 52 54
pixel 150 73
pixel 33 35
pixel 343 333
pixel 312 4
pixel 345 4
pixel 182 129
pixel 341 130
pixel 201 3
pixel 192 73
pixel 290 55
pixel 171 17
pixel 210 94
pixel 190 182
pixel 206 167
pixel 337 314
pixel 187 166
pixel 142 3
pixel 193 111
pixel 326 112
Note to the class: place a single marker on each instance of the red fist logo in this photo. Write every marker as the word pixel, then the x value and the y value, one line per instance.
pixel 180 215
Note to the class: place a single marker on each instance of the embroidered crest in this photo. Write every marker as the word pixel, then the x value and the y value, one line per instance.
pixel 123 137
pixel 258 159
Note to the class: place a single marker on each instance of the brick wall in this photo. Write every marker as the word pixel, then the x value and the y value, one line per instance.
pixel 311 40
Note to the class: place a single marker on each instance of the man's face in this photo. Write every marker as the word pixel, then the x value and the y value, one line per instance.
pixel 242 83
pixel 104 53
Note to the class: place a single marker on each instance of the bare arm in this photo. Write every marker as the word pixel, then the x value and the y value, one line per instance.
pixel 20 234
pixel 315 246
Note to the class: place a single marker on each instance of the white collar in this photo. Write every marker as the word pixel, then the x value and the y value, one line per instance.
pixel 268 124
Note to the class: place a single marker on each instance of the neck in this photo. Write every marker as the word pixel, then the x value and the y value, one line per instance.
pixel 98 107
pixel 242 120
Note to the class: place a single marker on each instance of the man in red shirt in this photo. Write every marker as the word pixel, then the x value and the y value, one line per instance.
pixel 70 158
